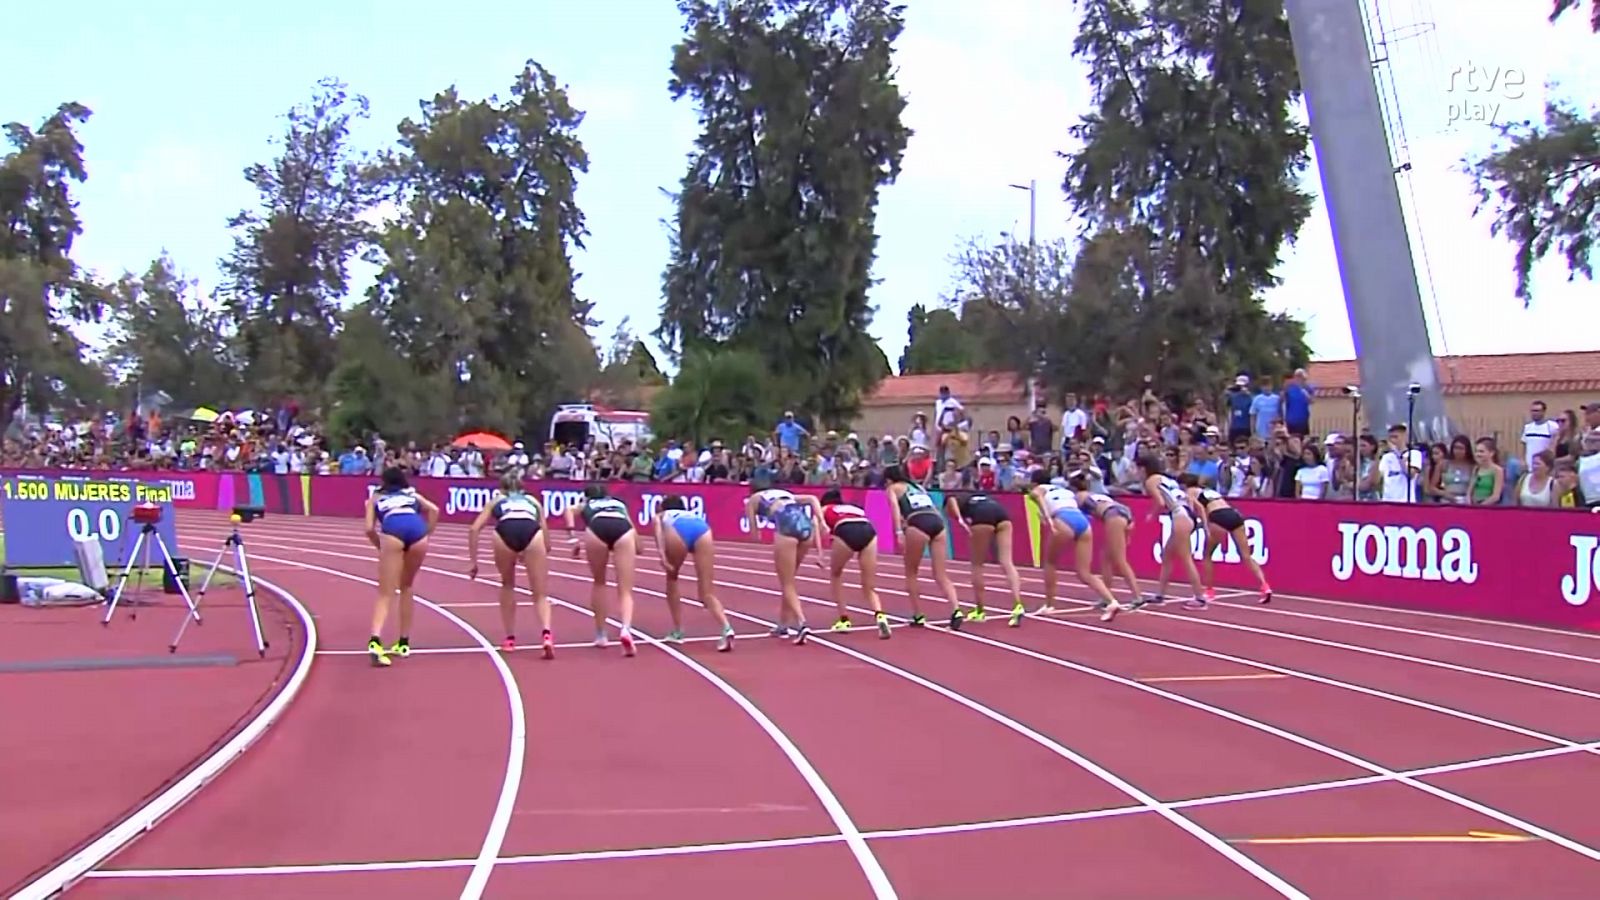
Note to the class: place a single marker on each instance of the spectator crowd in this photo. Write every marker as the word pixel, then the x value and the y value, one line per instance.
pixel 1255 442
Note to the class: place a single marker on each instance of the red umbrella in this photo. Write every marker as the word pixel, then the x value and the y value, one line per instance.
pixel 483 440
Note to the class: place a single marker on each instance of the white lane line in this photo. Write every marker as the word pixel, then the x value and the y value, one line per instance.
pixel 505 805
pixel 851 834
pixel 146 817
pixel 1218 845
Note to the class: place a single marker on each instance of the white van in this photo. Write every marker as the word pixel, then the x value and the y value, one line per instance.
pixel 574 424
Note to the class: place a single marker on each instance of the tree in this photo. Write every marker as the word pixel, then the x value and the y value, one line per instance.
pixel 718 394
pixel 1542 183
pixel 42 290
pixel 773 238
pixel 937 342
pixel 168 338
pixel 1187 180
pixel 289 267
pixel 477 291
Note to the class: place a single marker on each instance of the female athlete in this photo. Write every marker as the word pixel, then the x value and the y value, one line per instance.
pixel 518 535
pixel 680 536
pixel 988 527
pixel 1223 522
pixel 1170 500
pixel 920 525
pixel 607 537
pixel 399 521
pixel 1116 520
pixel 1068 525
pixel 852 535
pixel 792 521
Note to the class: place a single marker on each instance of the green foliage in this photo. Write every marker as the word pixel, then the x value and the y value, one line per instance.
pixel 169 338
pixel 1562 7
pixel 773 239
pixel 1187 180
pixel 1543 186
pixel 41 288
pixel 289 267
pixel 938 342
pixel 476 292
pixel 718 394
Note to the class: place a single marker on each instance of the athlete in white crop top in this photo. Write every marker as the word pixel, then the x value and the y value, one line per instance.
pixel 1169 499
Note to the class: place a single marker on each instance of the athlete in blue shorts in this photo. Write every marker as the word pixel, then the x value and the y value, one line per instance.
pixel 399 521
pixel 681 535
pixel 1068 525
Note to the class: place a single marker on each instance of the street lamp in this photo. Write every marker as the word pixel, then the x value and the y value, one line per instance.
pixel 1032 187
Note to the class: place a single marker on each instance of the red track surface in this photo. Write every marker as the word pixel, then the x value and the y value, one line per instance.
pixel 911 765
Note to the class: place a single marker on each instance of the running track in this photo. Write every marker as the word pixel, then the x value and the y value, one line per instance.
pixel 1306 749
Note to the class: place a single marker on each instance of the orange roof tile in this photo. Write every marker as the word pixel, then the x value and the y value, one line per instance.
pixel 1497 374
pixel 970 387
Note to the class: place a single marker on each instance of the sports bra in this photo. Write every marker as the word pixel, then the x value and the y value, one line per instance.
pixel 968 502
pixel 516 507
pixel 835 513
pixel 1208 497
pixel 397 503
pixel 1058 498
pixel 1173 494
pixel 1095 503
pixel 608 507
pixel 916 501
pixel 770 498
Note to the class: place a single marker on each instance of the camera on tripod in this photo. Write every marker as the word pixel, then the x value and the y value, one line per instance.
pixel 148 513
pixel 249 513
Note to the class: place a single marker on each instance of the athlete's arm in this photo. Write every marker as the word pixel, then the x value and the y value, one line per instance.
pixel 430 511
pixel 952 511
pixel 894 509
pixel 472 537
pixel 372 520
pixel 750 516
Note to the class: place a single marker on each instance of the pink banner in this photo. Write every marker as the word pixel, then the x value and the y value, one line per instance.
pixel 1523 565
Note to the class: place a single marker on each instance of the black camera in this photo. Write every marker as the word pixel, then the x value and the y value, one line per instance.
pixel 249 513
pixel 1414 389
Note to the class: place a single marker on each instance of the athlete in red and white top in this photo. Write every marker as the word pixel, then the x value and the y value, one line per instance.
pixel 852 535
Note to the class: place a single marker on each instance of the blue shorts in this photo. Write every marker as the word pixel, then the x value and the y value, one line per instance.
pixel 408 527
pixel 793 522
pixel 1073 519
pixel 690 529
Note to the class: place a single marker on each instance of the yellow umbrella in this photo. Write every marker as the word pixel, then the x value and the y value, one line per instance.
pixel 203 414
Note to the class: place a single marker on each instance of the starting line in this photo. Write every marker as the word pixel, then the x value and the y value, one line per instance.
pixel 1477 837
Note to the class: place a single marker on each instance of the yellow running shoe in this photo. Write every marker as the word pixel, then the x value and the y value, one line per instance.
pixel 1017 612
pixel 977 615
pixel 401 649
pixel 379 656
pixel 842 625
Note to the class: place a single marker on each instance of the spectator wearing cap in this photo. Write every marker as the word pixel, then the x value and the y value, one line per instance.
pixel 987 478
pixel 1237 402
pixel 919 465
pixel 789 433
pixel 1297 404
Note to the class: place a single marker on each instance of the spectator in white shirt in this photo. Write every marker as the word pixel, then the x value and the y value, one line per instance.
pixel 1539 434
pixel 1400 468
pixel 518 457
pixel 1312 478
pixel 1074 422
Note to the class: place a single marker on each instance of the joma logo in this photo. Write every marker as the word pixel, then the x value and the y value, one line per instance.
pixel 1401 551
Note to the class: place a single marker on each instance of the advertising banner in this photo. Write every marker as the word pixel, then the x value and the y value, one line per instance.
pixel 1524 565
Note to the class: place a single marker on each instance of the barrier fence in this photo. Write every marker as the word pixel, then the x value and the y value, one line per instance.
pixel 1522 565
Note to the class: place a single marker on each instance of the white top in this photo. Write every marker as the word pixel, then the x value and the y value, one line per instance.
pixel 1538 436
pixel 1527 496
pixel 1313 481
pixel 1176 498
pixel 1589 477
pixel 1395 476
pixel 1059 498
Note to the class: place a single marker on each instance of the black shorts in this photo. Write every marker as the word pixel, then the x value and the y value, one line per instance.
pixel 929 523
pixel 1227 518
pixel 517 534
pixel 988 512
pixel 855 533
pixel 609 529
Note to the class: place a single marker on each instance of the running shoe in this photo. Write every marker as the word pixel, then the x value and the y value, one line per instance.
pixel 801 633
pixel 379 656
pixel 627 643
pixel 547 643
pixel 883 626
pixel 1101 604
pixel 779 631
pixel 725 643
pixel 1211 595
pixel 1196 603
pixel 978 614
pixel 1044 609
pixel 601 641
pixel 955 620
pixel 1111 610
pixel 509 645
pixel 674 636
pixel 1266 594
pixel 919 620
pixel 401 648
pixel 842 625
pixel 1017 612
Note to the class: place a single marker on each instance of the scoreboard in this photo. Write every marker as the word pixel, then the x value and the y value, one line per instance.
pixel 43 514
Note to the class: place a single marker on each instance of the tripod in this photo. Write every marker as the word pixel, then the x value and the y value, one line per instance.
pixel 140 557
pixel 241 567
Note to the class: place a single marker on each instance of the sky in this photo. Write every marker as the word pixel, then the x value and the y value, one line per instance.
pixel 186 95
